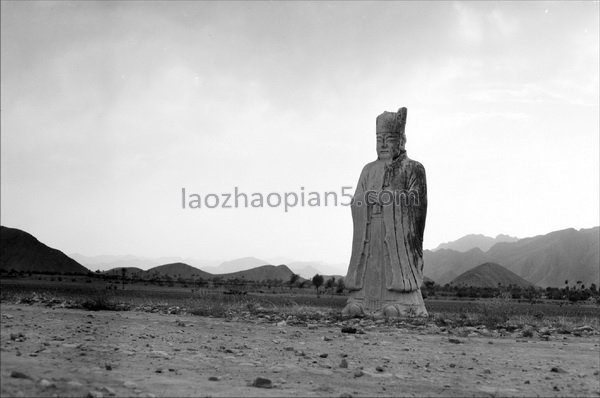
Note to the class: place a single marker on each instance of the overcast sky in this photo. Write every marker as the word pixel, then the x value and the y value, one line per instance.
pixel 109 109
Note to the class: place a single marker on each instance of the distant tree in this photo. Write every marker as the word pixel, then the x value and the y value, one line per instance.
pixel 578 295
pixel 593 288
pixel 293 280
pixel 123 275
pixel 217 281
pixel 317 281
pixel 428 287
pixel 330 284
pixel 341 285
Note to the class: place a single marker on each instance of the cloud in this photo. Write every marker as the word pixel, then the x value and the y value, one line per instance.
pixel 477 24
pixel 470 24
pixel 109 109
pixel 502 24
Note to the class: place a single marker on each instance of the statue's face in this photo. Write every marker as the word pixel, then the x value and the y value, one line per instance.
pixel 389 145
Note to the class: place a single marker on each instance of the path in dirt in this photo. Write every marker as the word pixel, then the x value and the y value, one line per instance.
pixel 66 352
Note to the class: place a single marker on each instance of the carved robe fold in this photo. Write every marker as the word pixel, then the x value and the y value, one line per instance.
pixel 403 220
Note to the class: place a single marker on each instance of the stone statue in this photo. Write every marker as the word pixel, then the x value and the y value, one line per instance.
pixel 388 210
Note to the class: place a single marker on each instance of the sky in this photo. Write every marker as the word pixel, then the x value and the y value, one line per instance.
pixel 110 109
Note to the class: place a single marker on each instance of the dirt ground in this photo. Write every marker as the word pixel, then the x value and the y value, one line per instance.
pixel 67 352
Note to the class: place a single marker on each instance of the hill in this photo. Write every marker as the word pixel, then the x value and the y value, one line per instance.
pixel 261 273
pixel 544 260
pixel 549 260
pixel 308 269
pixel 236 265
pixel 306 272
pixel 178 270
pixel 23 252
pixel 489 275
pixel 107 262
pixel 472 241
pixel 444 265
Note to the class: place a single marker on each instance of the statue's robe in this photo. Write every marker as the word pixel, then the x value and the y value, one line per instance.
pixel 403 220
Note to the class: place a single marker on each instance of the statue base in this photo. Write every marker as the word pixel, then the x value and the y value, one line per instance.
pixel 395 305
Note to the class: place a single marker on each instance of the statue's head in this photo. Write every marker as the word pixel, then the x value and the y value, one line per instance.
pixel 390 134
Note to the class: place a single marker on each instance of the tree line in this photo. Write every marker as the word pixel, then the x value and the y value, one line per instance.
pixel 571 292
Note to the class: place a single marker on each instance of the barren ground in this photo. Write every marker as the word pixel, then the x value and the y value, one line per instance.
pixel 67 352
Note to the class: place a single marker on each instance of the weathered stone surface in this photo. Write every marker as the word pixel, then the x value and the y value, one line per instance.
pixel 388 210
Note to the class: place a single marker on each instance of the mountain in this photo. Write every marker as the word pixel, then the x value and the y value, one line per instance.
pixel 106 262
pixel 236 265
pixel 468 242
pixel 110 262
pixel 23 252
pixel 303 268
pixel 489 275
pixel 186 271
pixel 138 273
pixel 261 273
pixel 544 260
pixel 178 270
pixel 308 269
pixel 444 265
pixel 549 260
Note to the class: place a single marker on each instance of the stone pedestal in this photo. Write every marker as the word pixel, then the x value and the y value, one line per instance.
pixel 390 305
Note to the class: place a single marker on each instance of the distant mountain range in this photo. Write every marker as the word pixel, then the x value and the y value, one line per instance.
pixel 236 265
pixel 306 269
pixel 468 242
pixel 104 262
pixel 21 251
pixel 544 260
pixel 489 275
pixel 185 271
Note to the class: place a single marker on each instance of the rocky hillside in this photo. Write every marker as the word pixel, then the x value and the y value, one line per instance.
pixel 178 270
pixel 23 252
pixel 472 241
pixel 544 260
pixel 489 275
pixel 264 272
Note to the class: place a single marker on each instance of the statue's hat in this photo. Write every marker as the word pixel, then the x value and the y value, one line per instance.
pixel 391 122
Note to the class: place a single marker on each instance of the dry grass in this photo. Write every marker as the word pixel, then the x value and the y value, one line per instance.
pixel 494 314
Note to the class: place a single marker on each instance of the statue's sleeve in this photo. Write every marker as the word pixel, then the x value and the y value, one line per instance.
pixel 418 186
pixel 359 218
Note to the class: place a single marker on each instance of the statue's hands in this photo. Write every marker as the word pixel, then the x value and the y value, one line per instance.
pixel 382 198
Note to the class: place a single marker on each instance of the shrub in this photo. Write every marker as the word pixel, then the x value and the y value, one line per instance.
pixel 98 302
pixel 527 333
